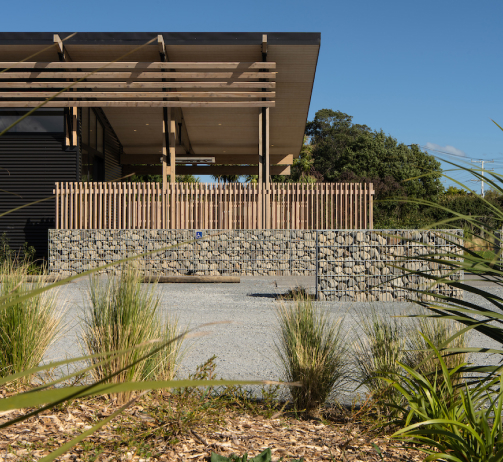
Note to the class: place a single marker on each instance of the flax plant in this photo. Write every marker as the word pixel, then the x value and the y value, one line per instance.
pixel 124 313
pixel 312 350
pixel 27 327
pixel 459 423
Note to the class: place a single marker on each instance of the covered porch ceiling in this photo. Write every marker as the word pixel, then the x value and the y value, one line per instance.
pixel 227 131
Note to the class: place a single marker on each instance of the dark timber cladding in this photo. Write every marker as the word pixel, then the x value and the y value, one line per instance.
pixel 31 164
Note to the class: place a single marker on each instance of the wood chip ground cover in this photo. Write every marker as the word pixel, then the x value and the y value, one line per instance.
pixel 137 436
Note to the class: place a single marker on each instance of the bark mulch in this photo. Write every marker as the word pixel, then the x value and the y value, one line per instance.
pixel 137 436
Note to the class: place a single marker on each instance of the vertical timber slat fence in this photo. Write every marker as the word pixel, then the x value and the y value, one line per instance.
pixel 213 206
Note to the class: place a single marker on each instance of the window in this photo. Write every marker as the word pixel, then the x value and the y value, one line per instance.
pixel 43 120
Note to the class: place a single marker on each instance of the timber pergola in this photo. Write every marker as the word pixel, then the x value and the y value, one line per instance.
pixel 236 103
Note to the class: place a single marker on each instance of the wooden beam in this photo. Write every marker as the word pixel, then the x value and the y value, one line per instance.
pixel 206 170
pixel 4 103
pixel 264 52
pixel 61 50
pixel 138 94
pixel 105 74
pixel 138 65
pixel 276 159
pixel 140 85
pixel 162 50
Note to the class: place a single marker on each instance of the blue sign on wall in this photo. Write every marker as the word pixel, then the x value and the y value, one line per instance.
pixel 199 234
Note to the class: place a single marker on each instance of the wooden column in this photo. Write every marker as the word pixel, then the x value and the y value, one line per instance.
pixel 266 167
pixel 260 172
pixel 264 158
pixel 165 143
pixel 172 141
pixel 171 159
pixel 164 164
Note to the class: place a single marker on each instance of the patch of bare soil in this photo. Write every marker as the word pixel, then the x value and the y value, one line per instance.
pixel 137 436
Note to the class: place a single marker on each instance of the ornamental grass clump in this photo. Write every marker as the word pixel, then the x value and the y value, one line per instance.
pixel 376 355
pixel 442 333
pixel 28 323
pixel 123 314
pixel 312 350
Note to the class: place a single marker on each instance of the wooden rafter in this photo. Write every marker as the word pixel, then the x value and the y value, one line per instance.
pixel 220 104
pixel 237 84
pixel 105 74
pixel 140 85
pixel 137 65
pixel 144 94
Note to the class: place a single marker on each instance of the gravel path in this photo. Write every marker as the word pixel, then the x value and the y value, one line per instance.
pixel 245 347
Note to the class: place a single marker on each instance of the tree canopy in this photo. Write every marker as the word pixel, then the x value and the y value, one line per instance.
pixel 343 151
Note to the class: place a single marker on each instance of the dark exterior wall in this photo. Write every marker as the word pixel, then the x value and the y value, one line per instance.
pixel 112 147
pixel 113 150
pixel 30 166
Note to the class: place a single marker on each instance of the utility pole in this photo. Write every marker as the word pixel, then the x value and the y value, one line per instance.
pixel 482 162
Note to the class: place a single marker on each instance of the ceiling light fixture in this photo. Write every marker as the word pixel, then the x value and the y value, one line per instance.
pixel 195 160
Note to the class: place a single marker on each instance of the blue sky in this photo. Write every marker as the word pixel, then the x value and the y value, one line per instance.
pixel 424 72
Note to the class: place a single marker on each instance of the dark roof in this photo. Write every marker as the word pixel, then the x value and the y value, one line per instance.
pixel 170 38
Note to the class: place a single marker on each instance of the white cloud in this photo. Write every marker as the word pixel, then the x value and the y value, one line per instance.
pixel 446 149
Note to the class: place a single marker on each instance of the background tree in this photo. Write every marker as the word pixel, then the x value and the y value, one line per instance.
pixel 226 178
pixel 347 152
pixel 302 170
pixel 158 179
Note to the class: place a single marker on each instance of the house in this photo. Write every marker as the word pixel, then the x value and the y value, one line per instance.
pixel 159 103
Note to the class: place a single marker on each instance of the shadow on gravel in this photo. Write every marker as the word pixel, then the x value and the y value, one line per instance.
pixel 277 296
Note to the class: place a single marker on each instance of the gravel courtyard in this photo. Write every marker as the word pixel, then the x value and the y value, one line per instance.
pixel 244 347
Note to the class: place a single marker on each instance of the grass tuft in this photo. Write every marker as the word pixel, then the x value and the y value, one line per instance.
pixel 28 327
pixel 123 314
pixel 376 355
pixel 313 351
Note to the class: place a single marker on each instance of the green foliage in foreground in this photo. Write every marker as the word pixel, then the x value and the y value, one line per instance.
pixel 264 456
pixel 388 340
pixel 123 313
pixel 461 423
pixel 448 422
pixel 27 327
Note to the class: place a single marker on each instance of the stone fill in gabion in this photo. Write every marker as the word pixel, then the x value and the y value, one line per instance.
pixel 181 252
pixel 349 265
pixel 370 265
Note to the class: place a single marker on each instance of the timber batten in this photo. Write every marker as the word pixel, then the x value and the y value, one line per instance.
pixel 139 72
pixel 213 206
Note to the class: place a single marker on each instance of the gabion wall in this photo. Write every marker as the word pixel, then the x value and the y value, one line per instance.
pixel 229 252
pixel 359 265
pixel 348 265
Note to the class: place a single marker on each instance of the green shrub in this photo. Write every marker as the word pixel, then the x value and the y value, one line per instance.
pixel 25 257
pixel 124 314
pixel 451 423
pixel 27 327
pixel 313 351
